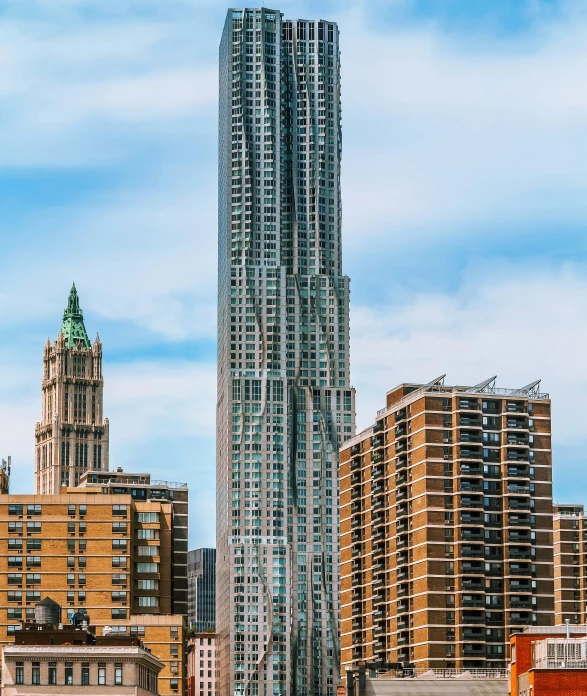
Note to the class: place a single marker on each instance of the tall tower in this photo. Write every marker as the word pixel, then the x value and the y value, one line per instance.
pixel 72 436
pixel 285 403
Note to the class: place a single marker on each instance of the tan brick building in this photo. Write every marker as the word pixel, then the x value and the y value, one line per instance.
pixel 110 555
pixel 446 526
pixel 570 559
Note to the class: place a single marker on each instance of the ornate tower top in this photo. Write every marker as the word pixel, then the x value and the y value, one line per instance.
pixel 73 328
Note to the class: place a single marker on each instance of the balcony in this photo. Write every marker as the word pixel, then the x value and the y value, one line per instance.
pixel 471 535
pixel 470 422
pixel 401 511
pixel 468 453
pixel 356 449
pixel 378 428
pixel 401 463
pixel 517 424
pixel 377 441
pixel 402 559
pixel 471 470
pixel 518 504
pixel 402 607
pixel 377 488
pixel 356 522
pixel 473 617
pixel 471 487
pixel 518 471
pixel 356 493
pixel 376 472
pixel 400 415
pixel 355 464
pixel 516 489
pixel 520 569
pixel 401 494
pixel 516 603
pixel 401 430
pixel 401 478
pixel 472 437
pixel 517 440
pixel 474 634
pixel 473 585
pixel 519 553
pixel 473 650
pixel 474 518
pixel 474 601
pixel 518 520
pixel 517 455
pixel 520 537
pixel 472 551
pixel 468 502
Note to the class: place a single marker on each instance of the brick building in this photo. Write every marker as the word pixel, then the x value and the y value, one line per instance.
pixel 108 554
pixel 549 662
pixel 570 559
pixel 446 526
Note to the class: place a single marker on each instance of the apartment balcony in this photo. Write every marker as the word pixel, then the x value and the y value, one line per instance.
pixel 356 550
pixel 467 453
pixel 517 489
pixel 401 511
pixel 473 650
pixel 517 456
pixel 519 553
pixel 473 617
pixel 355 464
pixel 521 441
pixel 377 457
pixel 403 607
pixel 402 574
pixel 400 415
pixel 474 601
pixel 377 441
pixel 520 537
pixel 523 569
pixel 356 567
pixel 471 487
pixel 378 630
pixel 471 422
pixel 518 504
pixel 356 522
pixel 517 424
pixel 357 596
pixel 520 603
pixel 472 437
pixel 474 634
pixel 400 446
pixel 376 472
pixel 357 624
pixel 401 430
pixel 472 518
pixel 378 533
pixel 473 585
pixel 355 449
pixel 401 463
pixel 518 471
pixel 401 494
pixel 471 535
pixel 519 520
pixel 472 551
pixel 471 502
pixel 378 428
pixel 401 478
pixel 401 526
pixel 471 470
pixel 520 619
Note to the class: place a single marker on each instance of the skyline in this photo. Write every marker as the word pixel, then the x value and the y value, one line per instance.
pixel 97 162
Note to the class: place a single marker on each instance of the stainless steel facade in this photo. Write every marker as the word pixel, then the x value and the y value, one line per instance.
pixel 285 403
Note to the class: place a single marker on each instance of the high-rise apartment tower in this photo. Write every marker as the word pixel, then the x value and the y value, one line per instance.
pixel 284 397
pixel 72 436
pixel 446 526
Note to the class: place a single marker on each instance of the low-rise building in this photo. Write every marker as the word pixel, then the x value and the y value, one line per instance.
pixel 549 661
pixel 202 664
pixel 48 659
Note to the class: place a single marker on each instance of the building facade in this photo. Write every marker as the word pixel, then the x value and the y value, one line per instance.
pixel 285 402
pixel 570 564
pixel 202 589
pixel 446 526
pixel 549 662
pixel 72 436
pixel 50 660
pixel 106 554
pixel 202 673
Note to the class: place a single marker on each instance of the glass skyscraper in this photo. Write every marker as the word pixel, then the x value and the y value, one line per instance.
pixel 285 403
pixel 202 589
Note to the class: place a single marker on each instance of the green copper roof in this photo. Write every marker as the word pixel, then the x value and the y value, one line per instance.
pixel 73 328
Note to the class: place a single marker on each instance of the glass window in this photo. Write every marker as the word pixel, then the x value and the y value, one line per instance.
pixel 52 673
pixel 85 674
pixel 36 674
pixel 19 677
pixel 69 673
pixel 102 673
pixel 119 510
pixel 118 674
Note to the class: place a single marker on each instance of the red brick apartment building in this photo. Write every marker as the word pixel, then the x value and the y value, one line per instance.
pixel 447 527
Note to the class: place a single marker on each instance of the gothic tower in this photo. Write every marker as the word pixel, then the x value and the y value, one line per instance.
pixel 72 436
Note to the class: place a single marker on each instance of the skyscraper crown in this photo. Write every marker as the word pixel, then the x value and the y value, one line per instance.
pixel 72 327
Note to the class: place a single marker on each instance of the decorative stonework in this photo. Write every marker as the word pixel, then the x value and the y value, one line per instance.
pixel 72 436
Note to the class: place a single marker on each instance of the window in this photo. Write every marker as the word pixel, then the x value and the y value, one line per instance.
pixel 137 630
pixel 69 673
pixel 81 579
pixel 15 561
pixel 148 517
pixel 85 674
pixel 119 544
pixel 33 545
pixel 70 579
pixel 15 510
pixel 147 534
pixel 33 509
pixel 14 613
pixel 102 673
pixel 33 596
pixel 82 511
pixel 33 562
pixel 147 584
pixel 119 511
pixel 71 510
pixel 147 550
pixel 14 596
pixel 119 561
pixel 119 613
pixel 81 597
pixel 71 527
pixel 15 527
pixel 52 673
pixel 14 544
pixel 119 579
pixel 19 676
pixel 14 578
pixel 71 597
pixel 148 601
pixel 146 567
pixel 119 528
pixel 118 674
pixel 36 675
pixel 174 684
pixel 174 649
pixel 33 528
pixel 119 596
pixel 174 632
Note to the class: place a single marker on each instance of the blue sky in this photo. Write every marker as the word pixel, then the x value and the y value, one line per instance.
pixel 464 198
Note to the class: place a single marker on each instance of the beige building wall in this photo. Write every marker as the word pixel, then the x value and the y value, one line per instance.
pixel 105 554
pixel 202 665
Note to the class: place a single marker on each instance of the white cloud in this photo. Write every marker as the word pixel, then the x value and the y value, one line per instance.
pixel 520 323
pixel 441 134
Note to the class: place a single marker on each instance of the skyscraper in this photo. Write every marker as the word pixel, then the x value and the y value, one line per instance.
pixel 202 589
pixel 284 397
pixel 72 436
